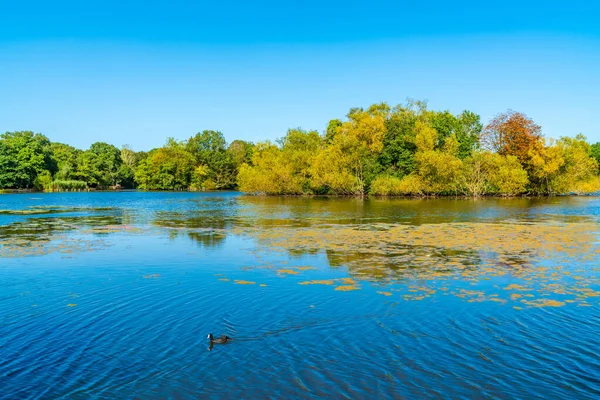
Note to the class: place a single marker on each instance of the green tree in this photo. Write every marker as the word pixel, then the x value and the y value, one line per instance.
pixel 241 152
pixel 23 155
pixel 65 158
pixel 167 168
pixel 209 149
pixel 332 130
pixel 398 155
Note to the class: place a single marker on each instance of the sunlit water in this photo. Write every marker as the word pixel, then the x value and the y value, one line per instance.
pixel 112 295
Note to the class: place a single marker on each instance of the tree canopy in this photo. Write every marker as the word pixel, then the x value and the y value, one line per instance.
pixel 407 149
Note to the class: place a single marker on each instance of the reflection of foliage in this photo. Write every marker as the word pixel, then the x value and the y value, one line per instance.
pixel 208 239
pixel 36 210
pixel 437 255
pixel 42 229
pixel 38 236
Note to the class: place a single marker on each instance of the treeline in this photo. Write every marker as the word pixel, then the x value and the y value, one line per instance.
pixel 203 162
pixel 382 150
pixel 410 150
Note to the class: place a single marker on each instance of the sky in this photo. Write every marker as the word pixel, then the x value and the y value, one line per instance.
pixel 137 72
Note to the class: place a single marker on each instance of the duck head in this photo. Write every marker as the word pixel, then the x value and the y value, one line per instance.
pixel 210 337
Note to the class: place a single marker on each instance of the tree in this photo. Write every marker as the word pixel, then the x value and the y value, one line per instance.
pixel 476 174
pixel 167 168
pixel 439 170
pixel 507 176
pixel 99 166
pixel 595 152
pixel 108 159
pixel 361 140
pixel 65 157
pixel 271 172
pixel 129 162
pixel 209 149
pixel 299 148
pixel 512 134
pixel 332 130
pixel 23 155
pixel 490 173
pixel 241 152
pixel 467 133
pixel 398 155
pixel 563 167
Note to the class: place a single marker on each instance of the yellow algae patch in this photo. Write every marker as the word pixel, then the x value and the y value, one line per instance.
pixel 287 271
pixel 348 281
pixel 318 282
pixel 305 268
pixel 224 279
pixel 385 293
pixel 591 294
pixel 552 303
pixel 515 296
pixel 243 282
pixel 263 285
pixel 71 305
pixel 346 288
pixel 152 276
pixel 545 303
pixel 516 287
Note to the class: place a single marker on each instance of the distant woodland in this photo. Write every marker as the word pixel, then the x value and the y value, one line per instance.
pixel 405 150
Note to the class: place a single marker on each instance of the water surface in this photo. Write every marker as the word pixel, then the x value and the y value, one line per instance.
pixel 111 295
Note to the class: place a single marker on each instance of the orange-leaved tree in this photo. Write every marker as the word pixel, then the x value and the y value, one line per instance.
pixel 512 134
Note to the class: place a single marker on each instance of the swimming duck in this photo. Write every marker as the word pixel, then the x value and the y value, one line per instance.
pixel 220 340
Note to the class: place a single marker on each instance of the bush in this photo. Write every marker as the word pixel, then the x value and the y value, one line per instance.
pixel 410 185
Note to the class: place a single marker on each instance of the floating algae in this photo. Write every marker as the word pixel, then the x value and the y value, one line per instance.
pixel 532 255
pixel 318 282
pixel 287 272
pixel 346 288
pixel 544 303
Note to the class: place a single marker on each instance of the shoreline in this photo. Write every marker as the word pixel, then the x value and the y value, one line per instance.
pixel 328 196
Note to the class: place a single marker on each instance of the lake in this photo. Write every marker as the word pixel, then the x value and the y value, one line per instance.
pixel 112 295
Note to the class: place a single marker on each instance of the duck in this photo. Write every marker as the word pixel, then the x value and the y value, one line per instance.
pixel 220 340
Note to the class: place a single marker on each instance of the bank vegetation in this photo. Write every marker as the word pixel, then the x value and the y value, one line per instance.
pixel 405 150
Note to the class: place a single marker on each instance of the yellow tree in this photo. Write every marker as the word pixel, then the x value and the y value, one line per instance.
pixel 440 170
pixel 271 173
pixel 354 147
pixel 564 166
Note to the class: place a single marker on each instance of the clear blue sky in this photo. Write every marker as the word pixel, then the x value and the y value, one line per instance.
pixel 135 72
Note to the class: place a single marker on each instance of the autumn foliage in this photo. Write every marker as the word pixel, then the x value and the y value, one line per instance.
pixel 408 150
pixel 512 134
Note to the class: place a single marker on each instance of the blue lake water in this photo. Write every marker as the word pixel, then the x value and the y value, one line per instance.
pixel 112 295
